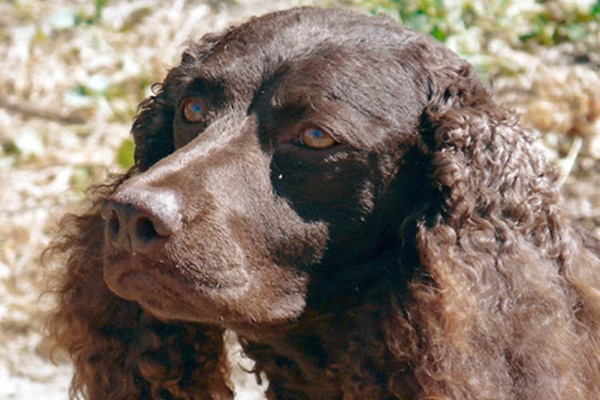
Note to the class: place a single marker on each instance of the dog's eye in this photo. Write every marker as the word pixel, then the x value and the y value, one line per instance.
pixel 194 109
pixel 316 138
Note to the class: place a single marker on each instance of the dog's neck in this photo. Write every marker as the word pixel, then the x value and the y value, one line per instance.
pixel 331 345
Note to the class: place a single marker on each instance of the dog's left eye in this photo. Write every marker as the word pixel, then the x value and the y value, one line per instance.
pixel 316 138
pixel 194 109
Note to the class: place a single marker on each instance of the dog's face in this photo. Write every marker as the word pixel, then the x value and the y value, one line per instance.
pixel 282 149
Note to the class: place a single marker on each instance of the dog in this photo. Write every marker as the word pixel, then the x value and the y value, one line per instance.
pixel 347 196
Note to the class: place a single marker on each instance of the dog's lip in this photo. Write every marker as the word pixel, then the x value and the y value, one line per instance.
pixel 154 293
pixel 158 299
pixel 164 294
pixel 124 267
pixel 127 277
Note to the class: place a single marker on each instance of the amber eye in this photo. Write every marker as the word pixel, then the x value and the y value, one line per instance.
pixel 194 109
pixel 316 138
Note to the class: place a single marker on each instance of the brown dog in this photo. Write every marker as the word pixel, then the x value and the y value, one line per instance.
pixel 346 195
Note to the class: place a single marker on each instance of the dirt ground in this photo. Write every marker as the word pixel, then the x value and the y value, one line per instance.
pixel 69 85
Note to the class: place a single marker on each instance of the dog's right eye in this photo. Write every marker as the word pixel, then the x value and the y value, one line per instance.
pixel 316 138
pixel 194 109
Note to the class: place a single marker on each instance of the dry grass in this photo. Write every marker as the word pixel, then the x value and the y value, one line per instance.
pixel 69 86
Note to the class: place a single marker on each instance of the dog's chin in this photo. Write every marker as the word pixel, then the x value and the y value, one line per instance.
pixel 169 297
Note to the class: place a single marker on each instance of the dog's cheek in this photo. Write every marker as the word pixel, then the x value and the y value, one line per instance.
pixel 338 193
pixel 279 236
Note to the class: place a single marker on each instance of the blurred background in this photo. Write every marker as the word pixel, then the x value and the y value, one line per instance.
pixel 73 71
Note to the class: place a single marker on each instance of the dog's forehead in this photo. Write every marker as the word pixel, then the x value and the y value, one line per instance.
pixel 250 54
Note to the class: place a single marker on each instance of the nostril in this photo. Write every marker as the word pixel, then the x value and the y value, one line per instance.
pixel 140 221
pixel 145 230
pixel 113 225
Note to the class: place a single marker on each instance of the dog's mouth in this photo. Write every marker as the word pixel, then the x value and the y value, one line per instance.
pixel 162 289
pixel 171 293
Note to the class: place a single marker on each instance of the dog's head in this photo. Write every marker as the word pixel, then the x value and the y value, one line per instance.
pixel 290 146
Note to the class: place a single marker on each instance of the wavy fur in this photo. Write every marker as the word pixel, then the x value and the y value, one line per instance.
pixel 465 279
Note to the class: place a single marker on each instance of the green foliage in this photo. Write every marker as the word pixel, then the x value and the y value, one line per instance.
pixel 125 154
pixel 81 177
pixel 431 16
pixel 84 19
pixel 550 27
pixel 519 22
pixel 100 4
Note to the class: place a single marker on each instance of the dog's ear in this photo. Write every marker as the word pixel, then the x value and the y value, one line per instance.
pixel 499 272
pixel 482 162
pixel 153 129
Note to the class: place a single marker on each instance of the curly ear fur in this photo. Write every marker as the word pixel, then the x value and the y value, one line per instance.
pixel 153 129
pixel 506 287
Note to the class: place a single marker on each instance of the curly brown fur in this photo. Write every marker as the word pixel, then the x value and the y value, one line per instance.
pixel 422 253
pixel 118 350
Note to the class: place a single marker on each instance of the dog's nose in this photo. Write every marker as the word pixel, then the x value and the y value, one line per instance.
pixel 141 220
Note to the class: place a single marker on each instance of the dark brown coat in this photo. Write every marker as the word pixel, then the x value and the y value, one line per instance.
pixel 347 196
